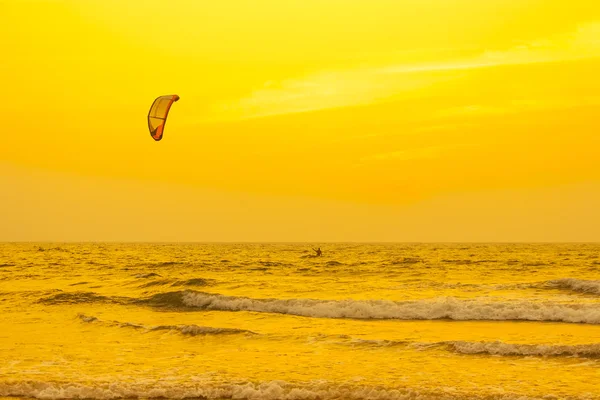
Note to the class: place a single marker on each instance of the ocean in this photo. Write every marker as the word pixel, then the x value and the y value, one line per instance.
pixel 272 321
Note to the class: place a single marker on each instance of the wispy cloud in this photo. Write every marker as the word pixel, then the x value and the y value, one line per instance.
pixel 331 89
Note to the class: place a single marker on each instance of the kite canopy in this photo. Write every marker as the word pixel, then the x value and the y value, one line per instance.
pixel 157 116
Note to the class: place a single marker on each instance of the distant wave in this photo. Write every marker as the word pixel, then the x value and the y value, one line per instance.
pixel 174 282
pixel 405 260
pixel 147 275
pixel 191 330
pixel 81 297
pixel 576 285
pixel 270 390
pixel 40 248
pixel 193 282
pixel 570 284
pixel 79 283
pixel 493 348
pixel 155 264
pixel 272 263
pixel 433 309
pixel 166 300
pixel 160 282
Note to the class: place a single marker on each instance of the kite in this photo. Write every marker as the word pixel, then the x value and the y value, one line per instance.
pixel 157 116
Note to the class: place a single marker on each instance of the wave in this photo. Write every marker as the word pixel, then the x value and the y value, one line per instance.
pixel 151 264
pixel 171 282
pixel 430 309
pixel 576 285
pixel 193 282
pixel 571 284
pixel 191 330
pixel 58 248
pixel 471 287
pixel 269 390
pixel 80 297
pixel 496 348
pixel 161 282
pixel 171 300
pixel 272 263
pixel 79 283
pixel 433 309
pixel 174 282
pixel 406 260
pixel 148 275
pixel 510 349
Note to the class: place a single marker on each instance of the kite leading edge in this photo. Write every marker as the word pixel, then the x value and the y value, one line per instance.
pixel 157 116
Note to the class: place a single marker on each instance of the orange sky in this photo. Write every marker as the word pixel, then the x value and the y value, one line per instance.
pixel 312 120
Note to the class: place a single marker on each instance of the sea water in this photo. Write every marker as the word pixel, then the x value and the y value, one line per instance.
pixel 272 321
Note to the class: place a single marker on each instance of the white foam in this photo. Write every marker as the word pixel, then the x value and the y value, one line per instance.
pixel 272 390
pixel 438 308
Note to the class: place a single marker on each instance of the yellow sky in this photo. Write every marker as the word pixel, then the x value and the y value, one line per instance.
pixel 358 120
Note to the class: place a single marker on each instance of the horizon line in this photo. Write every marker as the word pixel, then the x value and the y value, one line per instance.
pixel 288 242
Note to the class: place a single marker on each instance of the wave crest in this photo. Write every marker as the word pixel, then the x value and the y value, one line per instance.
pixel 438 308
pixel 496 348
pixel 509 349
pixel 576 285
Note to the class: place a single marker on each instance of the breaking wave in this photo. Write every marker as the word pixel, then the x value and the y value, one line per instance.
pixel 428 309
pixel 496 348
pixel 576 285
pixel 438 308
pixel 509 349
pixel 270 390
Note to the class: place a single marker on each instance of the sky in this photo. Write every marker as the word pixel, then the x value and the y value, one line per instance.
pixel 301 120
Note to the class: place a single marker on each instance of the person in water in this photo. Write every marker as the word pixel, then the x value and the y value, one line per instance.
pixel 318 251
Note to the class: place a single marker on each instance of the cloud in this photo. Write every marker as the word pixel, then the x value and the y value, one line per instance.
pixel 473 109
pixel 359 86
